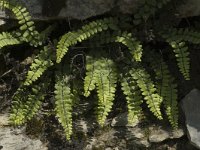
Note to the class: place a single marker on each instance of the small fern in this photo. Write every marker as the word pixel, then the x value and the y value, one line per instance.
pixel 104 39
pixel 104 76
pixel 26 102
pixel 71 38
pixel 133 98
pixel 64 100
pixel 182 34
pixel 153 99
pixel 7 39
pixel 167 88
pixel 182 55
pixel 125 38
pixel 41 63
pixel 24 19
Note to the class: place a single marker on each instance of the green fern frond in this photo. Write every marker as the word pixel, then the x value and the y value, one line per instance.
pixel 24 19
pixel 124 38
pixel 171 104
pixel 71 38
pixel 133 97
pixel 7 39
pixel 132 44
pixel 166 88
pixel 64 100
pixel 41 63
pixel 180 49
pixel 91 75
pixel 26 103
pixel 182 34
pixel 153 99
pixel 182 56
pixel 102 74
pixel 106 87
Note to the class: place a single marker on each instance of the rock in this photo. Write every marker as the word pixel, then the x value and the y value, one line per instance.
pixel 189 8
pixel 14 139
pixel 159 134
pixel 137 137
pixel 190 106
pixel 4 120
pixel 121 121
pixel 83 9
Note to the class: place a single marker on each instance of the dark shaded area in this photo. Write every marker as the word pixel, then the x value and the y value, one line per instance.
pixel 52 7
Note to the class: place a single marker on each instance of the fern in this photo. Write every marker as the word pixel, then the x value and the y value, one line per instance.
pixel 106 87
pixel 133 97
pixel 153 99
pixel 166 88
pixel 182 34
pixel 41 63
pixel 7 39
pixel 182 56
pixel 26 103
pixel 24 19
pixel 125 38
pixel 101 72
pixel 180 49
pixel 71 38
pixel 91 75
pixel 64 100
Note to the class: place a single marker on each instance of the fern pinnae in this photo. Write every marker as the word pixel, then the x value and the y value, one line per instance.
pixel 90 78
pixel 41 63
pixel 182 56
pixel 125 38
pixel 167 89
pixel 7 39
pixel 64 100
pixel 24 19
pixel 106 87
pixel 171 105
pixel 133 97
pixel 26 102
pixel 71 38
pixel 148 89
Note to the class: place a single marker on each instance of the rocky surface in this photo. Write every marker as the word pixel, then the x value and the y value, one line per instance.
pixel 140 135
pixel 190 106
pixel 83 9
pixel 15 139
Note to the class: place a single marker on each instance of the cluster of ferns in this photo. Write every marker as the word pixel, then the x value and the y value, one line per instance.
pixel 103 72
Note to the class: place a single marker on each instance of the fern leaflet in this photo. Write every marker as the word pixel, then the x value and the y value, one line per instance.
pixel 71 38
pixel 64 100
pixel 26 103
pixel 39 65
pixel 133 97
pixel 148 89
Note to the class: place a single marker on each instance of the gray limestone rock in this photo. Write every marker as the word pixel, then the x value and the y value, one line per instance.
pixel 160 134
pixel 121 121
pixel 191 108
pixel 14 139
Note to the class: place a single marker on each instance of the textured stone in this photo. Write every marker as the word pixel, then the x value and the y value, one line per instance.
pixel 159 134
pixel 4 121
pixel 121 121
pixel 190 106
pixel 83 9
pixel 14 139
